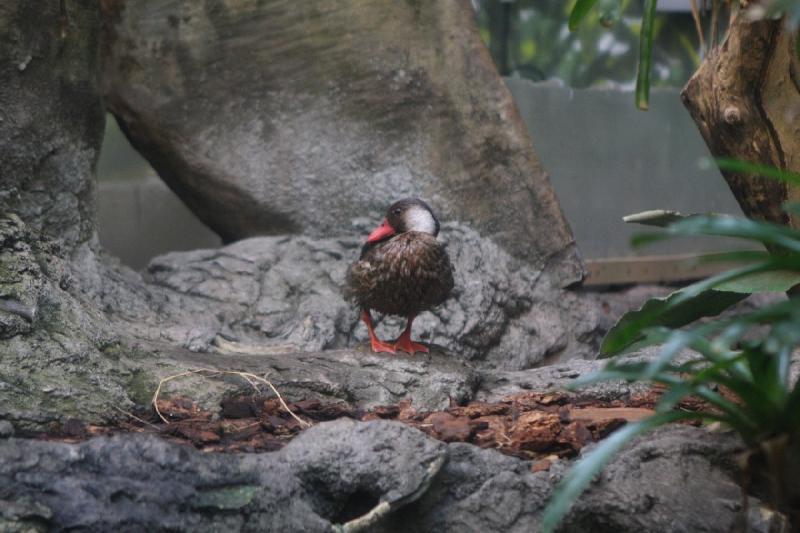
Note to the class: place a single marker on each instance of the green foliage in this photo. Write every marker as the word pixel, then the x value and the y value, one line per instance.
pixel 747 355
pixel 581 8
pixel 579 11
pixel 646 39
pixel 769 281
pixel 756 372
pixel 758 272
pixel 645 55
pixel 628 333
pixel 602 49
pixel 761 271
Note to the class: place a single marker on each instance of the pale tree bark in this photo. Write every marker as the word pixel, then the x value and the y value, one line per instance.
pixel 745 99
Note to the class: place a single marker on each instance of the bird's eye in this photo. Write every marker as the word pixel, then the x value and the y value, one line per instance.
pixel 397 211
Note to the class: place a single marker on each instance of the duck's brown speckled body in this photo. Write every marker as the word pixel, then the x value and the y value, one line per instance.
pixel 403 270
pixel 403 276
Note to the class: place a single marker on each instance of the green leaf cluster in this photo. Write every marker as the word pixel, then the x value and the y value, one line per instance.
pixel 746 355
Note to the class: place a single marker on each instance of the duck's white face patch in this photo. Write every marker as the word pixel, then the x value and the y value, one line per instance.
pixel 420 219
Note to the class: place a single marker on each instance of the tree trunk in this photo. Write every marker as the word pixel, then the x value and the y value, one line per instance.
pixel 51 116
pixel 745 99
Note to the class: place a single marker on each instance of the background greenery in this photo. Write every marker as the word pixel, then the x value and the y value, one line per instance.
pixel 531 39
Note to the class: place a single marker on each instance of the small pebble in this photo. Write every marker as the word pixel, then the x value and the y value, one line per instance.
pixel 6 429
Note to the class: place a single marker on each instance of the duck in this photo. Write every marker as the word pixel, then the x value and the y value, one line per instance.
pixel 403 270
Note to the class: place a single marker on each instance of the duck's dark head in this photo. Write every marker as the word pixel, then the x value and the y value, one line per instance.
pixel 408 214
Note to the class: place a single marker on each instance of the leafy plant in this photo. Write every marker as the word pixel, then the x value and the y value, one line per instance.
pixel 742 366
pixel 768 8
pixel 760 271
pixel 764 408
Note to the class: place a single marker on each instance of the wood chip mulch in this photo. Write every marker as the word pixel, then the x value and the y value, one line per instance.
pixel 542 427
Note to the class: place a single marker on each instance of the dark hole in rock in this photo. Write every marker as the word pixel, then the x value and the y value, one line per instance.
pixel 358 504
pixel 119 496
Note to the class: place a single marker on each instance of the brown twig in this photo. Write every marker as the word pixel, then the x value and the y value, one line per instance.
pixel 714 22
pixel 252 379
pixel 698 27
pixel 136 417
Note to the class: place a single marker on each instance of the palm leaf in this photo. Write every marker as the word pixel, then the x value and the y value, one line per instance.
pixel 579 11
pixel 673 311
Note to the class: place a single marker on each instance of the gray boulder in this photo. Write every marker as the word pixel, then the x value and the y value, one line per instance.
pixel 331 473
pixel 351 476
pixel 337 112
pixel 287 291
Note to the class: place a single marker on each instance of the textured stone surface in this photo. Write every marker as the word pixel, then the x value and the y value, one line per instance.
pixel 652 486
pixel 318 132
pixel 85 337
pixel 58 355
pixel 332 473
pixel 51 116
pixel 676 479
pixel 75 363
pixel 287 290
pixel 62 357
pixel 81 336
pixel 20 279
pixel 558 376
pixel 356 376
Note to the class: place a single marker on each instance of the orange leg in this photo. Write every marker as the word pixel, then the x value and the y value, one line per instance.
pixel 377 344
pixel 405 344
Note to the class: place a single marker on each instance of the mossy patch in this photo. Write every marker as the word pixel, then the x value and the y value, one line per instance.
pixel 140 387
pixel 227 498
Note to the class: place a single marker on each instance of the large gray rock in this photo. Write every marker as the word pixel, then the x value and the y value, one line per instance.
pixel 20 279
pixel 674 479
pixel 560 376
pixel 62 357
pixel 287 291
pixel 332 473
pixel 338 472
pixel 82 337
pixel 339 110
pixel 58 356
